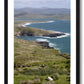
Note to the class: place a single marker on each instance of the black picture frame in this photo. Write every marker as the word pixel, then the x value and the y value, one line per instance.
pixel 77 41
pixel 6 41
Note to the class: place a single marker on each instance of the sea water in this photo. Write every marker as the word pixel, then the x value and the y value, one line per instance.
pixel 61 43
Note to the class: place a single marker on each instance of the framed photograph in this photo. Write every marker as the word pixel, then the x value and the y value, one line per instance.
pixel 42 40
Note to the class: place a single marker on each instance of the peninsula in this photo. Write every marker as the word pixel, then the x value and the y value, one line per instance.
pixel 21 30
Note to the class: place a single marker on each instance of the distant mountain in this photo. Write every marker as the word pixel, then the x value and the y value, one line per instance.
pixel 44 10
pixel 42 13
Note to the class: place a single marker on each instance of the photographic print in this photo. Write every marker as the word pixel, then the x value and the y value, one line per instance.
pixel 42 41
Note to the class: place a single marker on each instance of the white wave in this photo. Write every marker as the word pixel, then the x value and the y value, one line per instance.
pixel 23 26
pixel 62 36
pixel 26 24
pixel 52 45
pixel 51 21
pixel 36 23
pixel 45 22
pixel 42 40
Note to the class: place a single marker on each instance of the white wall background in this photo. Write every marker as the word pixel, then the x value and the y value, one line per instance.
pixel 2 42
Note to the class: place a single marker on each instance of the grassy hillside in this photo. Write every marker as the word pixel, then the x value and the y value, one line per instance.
pixel 33 64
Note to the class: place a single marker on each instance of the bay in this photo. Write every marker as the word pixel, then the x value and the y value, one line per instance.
pixel 61 43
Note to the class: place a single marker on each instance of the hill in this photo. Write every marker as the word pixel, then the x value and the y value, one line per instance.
pixel 33 63
pixel 42 13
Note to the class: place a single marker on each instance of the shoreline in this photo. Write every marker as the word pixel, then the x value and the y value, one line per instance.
pixel 29 23
pixel 52 34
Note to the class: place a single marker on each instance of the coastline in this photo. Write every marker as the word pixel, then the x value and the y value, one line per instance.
pixel 31 22
pixel 51 34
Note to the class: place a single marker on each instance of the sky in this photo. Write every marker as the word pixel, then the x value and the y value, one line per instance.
pixel 42 3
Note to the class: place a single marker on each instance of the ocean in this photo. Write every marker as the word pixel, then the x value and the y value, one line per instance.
pixel 61 43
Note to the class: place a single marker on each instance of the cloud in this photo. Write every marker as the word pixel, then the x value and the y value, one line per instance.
pixel 37 0
pixel 42 3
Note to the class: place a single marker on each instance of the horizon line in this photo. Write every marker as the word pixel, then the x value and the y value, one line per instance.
pixel 41 7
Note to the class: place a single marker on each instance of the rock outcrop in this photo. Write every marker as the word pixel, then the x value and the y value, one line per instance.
pixel 45 44
pixel 54 35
